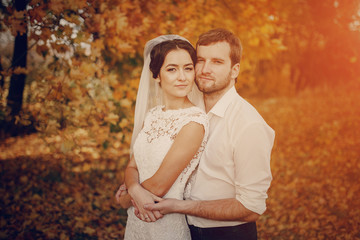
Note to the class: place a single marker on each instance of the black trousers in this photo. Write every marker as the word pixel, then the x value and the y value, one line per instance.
pixel 246 231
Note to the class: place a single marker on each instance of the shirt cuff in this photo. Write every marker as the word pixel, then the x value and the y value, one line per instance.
pixel 254 204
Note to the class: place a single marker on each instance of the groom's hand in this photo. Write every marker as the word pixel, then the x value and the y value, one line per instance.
pixel 122 191
pixel 164 207
pixel 122 197
pixel 157 214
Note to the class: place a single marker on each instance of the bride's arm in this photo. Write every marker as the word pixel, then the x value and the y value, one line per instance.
pixel 137 193
pixel 122 196
pixel 131 180
pixel 183 149
pixel 131 173
pixel 178 157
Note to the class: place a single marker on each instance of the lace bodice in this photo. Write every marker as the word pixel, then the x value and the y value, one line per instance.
pixel 152 144
pixel 155 139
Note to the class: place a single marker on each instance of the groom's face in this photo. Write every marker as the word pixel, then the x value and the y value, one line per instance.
pixel 213 67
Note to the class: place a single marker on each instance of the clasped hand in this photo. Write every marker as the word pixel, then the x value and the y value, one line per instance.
pixel 139 197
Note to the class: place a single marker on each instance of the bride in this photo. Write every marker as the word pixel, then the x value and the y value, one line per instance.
pixel 169 136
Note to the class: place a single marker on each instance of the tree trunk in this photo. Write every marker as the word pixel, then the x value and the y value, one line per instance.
pixel 2 79
pixel 17 81
pixel 9 125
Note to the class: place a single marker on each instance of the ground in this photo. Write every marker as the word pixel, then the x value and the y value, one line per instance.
pixel 314 193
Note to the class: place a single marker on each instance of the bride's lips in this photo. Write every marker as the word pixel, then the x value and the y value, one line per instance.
pixel 181 86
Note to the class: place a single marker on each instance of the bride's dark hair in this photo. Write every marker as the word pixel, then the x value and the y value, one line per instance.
pixel 159 52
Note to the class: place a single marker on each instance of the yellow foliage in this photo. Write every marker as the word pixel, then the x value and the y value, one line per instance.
pixel 112 118
pixel 254 42
pixel 20 70
pixel 57 6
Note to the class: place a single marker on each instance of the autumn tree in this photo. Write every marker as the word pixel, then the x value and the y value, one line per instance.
pixel 92 55
pixel 321 39
pixel 82 78
pixel 17 82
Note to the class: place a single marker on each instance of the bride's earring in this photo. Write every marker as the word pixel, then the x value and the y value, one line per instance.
pixel 158 93
pixel 157 80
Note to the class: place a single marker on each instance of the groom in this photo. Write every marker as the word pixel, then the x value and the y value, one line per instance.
pixel 234 174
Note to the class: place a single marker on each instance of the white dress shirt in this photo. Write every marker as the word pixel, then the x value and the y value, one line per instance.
pixel 236 160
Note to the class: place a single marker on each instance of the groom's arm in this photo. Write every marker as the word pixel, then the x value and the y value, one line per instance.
pixel 252 195
pixel 221 210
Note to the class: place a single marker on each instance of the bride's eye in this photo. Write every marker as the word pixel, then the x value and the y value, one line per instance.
pixel 171 69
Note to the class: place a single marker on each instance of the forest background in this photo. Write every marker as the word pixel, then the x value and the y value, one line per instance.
pixel 69 72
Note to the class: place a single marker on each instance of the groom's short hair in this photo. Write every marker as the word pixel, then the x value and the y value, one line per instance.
pixel 222 35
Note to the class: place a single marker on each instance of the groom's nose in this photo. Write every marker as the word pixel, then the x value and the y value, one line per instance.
pixel 205 67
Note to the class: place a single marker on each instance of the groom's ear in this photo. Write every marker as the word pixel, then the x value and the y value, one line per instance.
pixel 235 70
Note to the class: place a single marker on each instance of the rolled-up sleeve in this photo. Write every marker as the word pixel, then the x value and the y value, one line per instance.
pixel 252 151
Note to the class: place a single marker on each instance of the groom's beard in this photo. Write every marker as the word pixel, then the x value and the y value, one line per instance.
pixel 212 85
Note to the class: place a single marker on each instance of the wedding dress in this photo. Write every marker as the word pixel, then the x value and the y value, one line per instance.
pixel 151 145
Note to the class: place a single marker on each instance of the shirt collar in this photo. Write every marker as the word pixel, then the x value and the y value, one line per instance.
pixel 220 107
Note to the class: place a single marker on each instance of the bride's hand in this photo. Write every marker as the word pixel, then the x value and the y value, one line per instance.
pixel 156 213
pixel 141 197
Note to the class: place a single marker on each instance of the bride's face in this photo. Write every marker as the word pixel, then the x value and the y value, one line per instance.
pixel 177 74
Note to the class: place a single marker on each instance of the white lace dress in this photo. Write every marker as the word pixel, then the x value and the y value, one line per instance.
pixel 153 142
